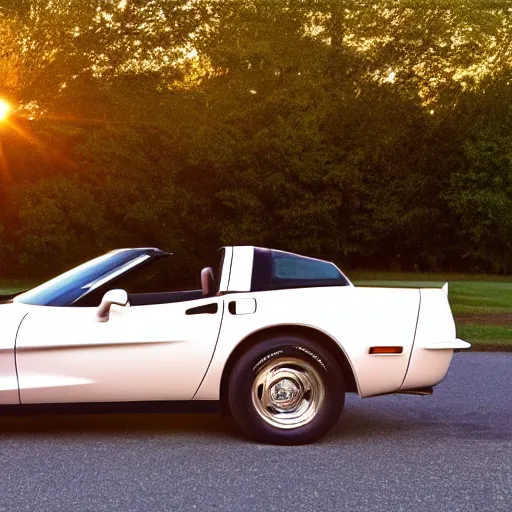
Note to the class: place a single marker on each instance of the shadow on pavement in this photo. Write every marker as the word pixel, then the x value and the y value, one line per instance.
pixel 125 418
pixel 368 420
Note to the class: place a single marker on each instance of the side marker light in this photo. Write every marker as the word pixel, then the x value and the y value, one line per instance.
pixel 386 350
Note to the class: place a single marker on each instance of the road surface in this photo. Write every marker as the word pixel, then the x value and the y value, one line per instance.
pixel 449 452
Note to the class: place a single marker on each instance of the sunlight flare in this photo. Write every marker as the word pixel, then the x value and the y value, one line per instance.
pixel 5 109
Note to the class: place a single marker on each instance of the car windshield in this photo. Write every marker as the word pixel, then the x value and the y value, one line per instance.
pixel 67 288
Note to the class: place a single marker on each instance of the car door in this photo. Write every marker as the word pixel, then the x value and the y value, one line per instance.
pixel 153 352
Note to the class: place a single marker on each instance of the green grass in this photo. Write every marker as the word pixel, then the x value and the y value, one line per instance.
pixel 479 303
pixel 8 286
pixel 486 337
pixel 481 298
pixel 440 277
pixel 466 297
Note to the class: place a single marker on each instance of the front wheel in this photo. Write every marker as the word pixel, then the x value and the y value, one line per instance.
pixel 286 390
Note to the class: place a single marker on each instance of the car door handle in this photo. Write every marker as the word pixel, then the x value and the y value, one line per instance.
pixel 208 309
pixel 242 307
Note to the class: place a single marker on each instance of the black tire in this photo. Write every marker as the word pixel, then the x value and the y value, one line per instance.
pixel 243 397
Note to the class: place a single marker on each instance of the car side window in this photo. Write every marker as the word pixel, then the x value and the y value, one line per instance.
pixel 291 270
pixel 160 277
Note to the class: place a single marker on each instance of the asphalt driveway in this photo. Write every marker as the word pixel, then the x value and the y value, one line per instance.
pixel 449 452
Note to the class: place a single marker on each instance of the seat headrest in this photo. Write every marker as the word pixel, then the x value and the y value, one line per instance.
pixel 207 282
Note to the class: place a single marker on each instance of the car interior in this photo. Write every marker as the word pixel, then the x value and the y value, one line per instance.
pixel 164 281
pixel 208 289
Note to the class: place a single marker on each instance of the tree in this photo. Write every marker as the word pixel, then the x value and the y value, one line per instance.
pixel 480 191
pixel 371 133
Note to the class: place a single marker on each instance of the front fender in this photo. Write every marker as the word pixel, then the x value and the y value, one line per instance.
pixel 11 317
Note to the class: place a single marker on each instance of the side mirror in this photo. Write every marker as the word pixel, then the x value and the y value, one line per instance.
pixel 118 297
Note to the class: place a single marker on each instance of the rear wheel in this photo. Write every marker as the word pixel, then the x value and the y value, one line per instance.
pixel 286 390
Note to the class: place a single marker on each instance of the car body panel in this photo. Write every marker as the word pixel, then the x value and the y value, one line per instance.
pixel 429 366
pixel 155 352
pixel 241 269
pixel 355 318
pixel 225 269
pixel 11 317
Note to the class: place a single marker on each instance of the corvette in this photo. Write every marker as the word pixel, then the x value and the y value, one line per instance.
pixel 278 338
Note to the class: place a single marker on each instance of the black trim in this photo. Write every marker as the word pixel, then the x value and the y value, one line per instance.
pixel 289 284
pixel 208 309
pixel 261 270
pixel 150 299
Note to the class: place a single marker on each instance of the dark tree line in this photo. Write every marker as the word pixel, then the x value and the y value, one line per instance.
pixel 375 134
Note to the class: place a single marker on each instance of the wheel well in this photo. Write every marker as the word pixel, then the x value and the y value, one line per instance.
pixel 308 332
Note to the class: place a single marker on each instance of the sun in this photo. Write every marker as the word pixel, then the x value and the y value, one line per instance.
pixel 5 108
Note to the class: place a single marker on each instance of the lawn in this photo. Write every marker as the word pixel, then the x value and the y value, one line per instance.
pixel 482 305
pixel 9 286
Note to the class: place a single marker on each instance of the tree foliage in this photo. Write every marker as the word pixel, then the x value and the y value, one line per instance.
pixel 375 134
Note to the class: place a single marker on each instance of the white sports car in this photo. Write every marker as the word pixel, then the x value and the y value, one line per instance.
pixel 277 337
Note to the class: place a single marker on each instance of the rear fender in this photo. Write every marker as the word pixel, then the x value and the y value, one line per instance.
pixel 434 342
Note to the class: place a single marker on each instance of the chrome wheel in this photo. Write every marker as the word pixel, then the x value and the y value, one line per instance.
pixel 288 392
